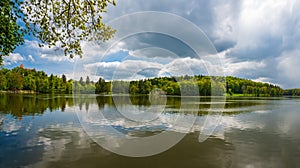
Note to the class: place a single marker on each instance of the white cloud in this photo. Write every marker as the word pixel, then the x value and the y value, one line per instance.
pixel 256 39
pixel 30 58
pixel 185 66
pixel 93 50
pixel 151 52
pixel 145 68
pixel 13 58
pixel 288 68
pixel 53 54
pixel 255 33
pixel 55 58
pixel 244 68
pixel 101 69
pixel 139 69
pixel 126 70
pixel 119 46
pixel 264 80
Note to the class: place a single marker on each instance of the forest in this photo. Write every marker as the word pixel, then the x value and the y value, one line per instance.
pixel 33 81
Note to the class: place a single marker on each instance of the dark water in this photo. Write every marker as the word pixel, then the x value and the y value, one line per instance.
pixel 45 131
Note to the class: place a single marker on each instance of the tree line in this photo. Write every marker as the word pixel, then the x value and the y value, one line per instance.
pixel 292 92
pixel 20 78
pixel 197 85
pixel 247 87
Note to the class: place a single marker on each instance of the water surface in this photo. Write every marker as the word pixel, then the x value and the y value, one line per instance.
pixel 45 131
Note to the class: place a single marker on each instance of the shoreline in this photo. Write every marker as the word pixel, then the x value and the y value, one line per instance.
pixel 100 94
pixel 19 91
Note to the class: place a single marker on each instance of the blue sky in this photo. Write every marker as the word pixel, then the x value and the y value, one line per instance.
pixel 255 39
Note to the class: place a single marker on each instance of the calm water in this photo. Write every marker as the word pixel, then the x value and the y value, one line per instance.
pixel 45 131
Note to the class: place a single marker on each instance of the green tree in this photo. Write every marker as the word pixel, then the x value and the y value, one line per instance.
pixel 14 81
pixel 3 82
pixel 107 87
pixel 87 81
pixel 99 85
pixel 63 83
pixel 11 33
pixel 187 88
pixel 81 81
pixel 230 92
pixel 264 90
pixel 120 87
pixel 44 88
pixel 69 87
pixel 249 90
pixel 133 88
pixel 218 88
pixel 29 82
pixel 57 82
pixel 64 78
pixel 170 90
pixel 77 87
pixel 51 84
pixel 59 23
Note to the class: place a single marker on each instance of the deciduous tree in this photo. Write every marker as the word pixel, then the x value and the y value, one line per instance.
pixel 56 23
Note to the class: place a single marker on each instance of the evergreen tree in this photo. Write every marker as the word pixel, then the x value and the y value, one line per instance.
pixel 87 81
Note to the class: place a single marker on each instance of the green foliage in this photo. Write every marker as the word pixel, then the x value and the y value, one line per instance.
pixel 11 33
pixel 56 23
pixel 87 81
pixel 81 81
pixel 120 87
pixel 84 86
pixel 68 22
pixel 251 88
pixel 292 92
pixel 14 81
pixel 102 87
pixel 33 81
pixel 186 85
pixel 3 80
pixel 38 81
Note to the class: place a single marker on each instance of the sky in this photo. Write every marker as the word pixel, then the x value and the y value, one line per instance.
pixel 253 39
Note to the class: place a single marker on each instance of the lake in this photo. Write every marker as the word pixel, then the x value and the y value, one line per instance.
pixel 83 130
